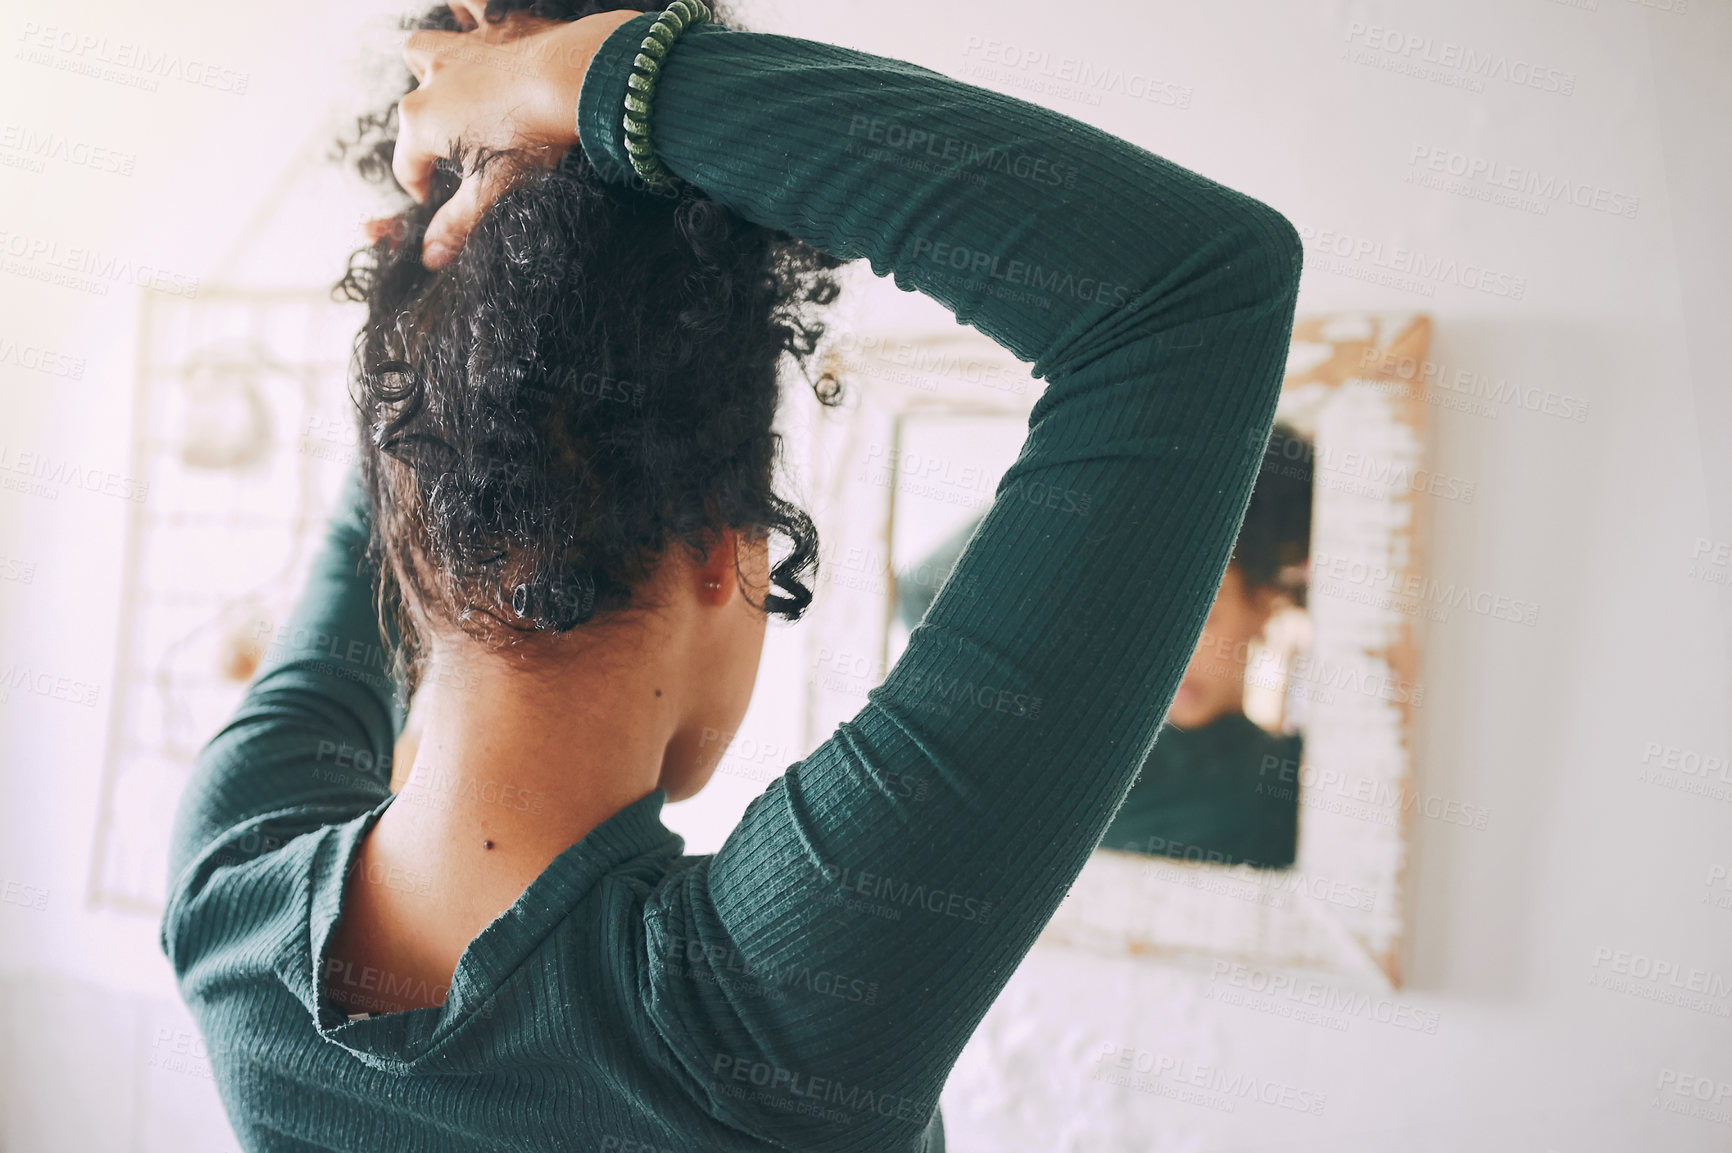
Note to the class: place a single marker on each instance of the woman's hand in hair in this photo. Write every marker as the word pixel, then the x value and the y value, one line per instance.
pixel 510 87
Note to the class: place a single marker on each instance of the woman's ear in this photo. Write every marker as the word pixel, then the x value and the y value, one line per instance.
pixel 715 576
pixel 469 14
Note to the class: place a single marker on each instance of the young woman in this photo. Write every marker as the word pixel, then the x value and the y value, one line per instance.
pixel 567 380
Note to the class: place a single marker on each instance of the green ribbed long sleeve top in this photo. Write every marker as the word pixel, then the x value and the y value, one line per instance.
pixel 810 985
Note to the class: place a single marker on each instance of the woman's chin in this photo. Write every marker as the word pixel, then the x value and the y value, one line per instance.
pixel 1187 705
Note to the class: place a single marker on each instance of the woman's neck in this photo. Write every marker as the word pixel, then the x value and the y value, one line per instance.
pixel 513 767
pixel 516 761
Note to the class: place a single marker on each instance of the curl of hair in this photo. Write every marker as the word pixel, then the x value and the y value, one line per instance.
pixel 1275 539
pixel 589 382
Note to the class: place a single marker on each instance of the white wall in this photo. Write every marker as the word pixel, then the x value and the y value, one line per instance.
pixel 1546 727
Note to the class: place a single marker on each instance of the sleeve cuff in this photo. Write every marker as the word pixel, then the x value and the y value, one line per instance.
pixel 601 101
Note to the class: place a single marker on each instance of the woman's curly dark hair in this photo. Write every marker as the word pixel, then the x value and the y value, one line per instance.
pixel 591 379
pixel 1275 539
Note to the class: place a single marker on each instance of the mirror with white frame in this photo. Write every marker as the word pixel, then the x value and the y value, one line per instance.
pixel 1269 823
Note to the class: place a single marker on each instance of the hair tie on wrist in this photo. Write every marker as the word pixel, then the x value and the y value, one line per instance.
pixel 641 87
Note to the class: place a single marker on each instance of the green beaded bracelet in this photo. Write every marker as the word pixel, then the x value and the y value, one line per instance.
pixel 641 87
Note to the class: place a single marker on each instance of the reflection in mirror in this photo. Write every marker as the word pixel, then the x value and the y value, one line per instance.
pixel 1204 792
pixel 1270 821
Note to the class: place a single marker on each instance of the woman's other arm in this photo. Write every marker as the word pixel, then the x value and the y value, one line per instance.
pixel 311 741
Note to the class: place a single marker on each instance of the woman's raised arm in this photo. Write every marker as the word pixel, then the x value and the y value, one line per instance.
pixel 1158 306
